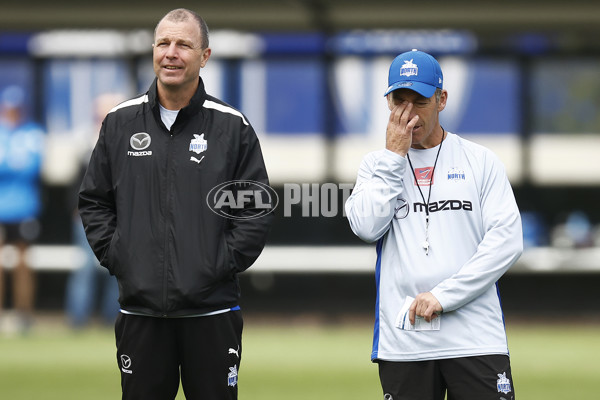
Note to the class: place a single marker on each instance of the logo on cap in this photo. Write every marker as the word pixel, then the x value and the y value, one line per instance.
pixel 409 68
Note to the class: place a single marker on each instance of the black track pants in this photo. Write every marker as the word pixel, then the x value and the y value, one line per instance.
pixel 153 353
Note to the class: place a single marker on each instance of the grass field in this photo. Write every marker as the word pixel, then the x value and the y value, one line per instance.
pixel 298 361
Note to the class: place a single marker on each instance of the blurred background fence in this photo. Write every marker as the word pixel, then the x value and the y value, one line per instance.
pixel 523 79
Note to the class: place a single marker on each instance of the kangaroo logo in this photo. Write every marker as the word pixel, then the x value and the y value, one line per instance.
pixel 409 68
pixel 503 383
pixel 232 376
pixel 198 144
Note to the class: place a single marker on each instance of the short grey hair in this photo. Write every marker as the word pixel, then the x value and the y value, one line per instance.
pixel 183 14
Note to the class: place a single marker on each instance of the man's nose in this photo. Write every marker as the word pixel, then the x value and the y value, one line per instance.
pixel 172 50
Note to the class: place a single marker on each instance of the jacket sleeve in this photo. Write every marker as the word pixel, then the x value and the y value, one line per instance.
pixel 247 232
pixel 97 201
pixel 500 248
pixel 371 206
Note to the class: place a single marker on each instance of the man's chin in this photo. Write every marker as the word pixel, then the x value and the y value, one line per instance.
pixel 171 80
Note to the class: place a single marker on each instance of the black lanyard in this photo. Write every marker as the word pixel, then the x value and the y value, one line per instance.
pixel 426 242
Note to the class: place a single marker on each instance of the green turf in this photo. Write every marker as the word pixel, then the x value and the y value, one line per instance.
pixel 308 363
pixel 555 361
pixel 292 362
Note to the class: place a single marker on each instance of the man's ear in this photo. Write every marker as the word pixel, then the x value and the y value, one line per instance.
pixel 443 99
pixel 205 56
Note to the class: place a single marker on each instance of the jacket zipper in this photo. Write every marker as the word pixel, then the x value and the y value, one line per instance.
pixel 167 255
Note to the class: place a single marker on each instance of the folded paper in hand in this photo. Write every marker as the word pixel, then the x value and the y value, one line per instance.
pixel 403 322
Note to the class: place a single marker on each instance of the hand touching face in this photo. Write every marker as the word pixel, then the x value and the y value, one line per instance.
pixel 414 120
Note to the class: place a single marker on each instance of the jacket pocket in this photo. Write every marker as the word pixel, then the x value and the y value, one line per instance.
pixel 110 260
pixel 223 266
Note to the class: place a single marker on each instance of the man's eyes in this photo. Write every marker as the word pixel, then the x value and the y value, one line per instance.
pixel 163 44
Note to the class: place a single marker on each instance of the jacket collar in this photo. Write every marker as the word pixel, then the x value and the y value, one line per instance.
pixel 192 108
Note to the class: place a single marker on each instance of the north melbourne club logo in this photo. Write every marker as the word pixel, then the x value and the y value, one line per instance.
pixel 503 383
pixel 232 376
pixel 409 69
pixel 456 175
pixel 198 144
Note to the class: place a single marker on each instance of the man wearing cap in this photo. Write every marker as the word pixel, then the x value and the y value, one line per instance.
pixel 447 227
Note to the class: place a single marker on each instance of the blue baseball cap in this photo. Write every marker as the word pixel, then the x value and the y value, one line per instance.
pixel 415 70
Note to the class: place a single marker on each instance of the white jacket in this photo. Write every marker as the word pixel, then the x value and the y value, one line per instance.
pixel 475 235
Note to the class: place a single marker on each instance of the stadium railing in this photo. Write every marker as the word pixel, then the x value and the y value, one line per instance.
pixel 323 259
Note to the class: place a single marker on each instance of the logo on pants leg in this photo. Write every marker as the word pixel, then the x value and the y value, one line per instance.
pixel 503 383
pixel 126 364
pixel 234 351
pixel 232 376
